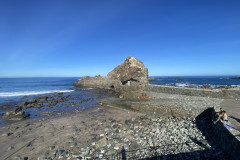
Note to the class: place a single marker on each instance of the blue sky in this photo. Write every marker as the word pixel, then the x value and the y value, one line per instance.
pixel 87 37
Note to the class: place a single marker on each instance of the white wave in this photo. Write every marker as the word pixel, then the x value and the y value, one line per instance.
pixel 181 85
pixel 28 93
pixel 87 88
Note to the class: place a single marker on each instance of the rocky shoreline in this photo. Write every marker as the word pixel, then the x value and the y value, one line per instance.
pixel 102 135
pixel 102 132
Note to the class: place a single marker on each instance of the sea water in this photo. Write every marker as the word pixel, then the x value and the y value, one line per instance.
pixel 196 81
pixel 13 89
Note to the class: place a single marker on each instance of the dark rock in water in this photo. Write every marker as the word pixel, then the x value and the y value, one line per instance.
pixel 181 79
pixel 31 101
pixel 237 77
pixel 52 102
pixel 5 106
pixel 60 99
pixel 16 115
pixel 43 99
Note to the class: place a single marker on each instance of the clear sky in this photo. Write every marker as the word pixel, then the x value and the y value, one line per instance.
pixel 87 37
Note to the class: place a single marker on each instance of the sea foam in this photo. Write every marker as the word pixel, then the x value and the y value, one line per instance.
pixel 28 93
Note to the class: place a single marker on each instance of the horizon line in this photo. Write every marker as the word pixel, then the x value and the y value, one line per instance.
pixel 105 76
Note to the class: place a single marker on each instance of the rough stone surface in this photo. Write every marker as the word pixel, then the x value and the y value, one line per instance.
pixel 130 70
pixel 144 137
pixel 130 75
pixel 15 115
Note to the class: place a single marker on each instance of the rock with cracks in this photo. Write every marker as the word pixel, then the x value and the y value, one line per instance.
pixel 131 75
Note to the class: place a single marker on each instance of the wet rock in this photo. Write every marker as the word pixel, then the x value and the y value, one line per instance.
pixel 6 106
pixel 43 99
pixel 16 115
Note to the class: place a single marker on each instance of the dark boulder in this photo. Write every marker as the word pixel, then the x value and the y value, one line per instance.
pixel 16 115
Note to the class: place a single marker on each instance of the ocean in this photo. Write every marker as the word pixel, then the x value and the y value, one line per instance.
pixel 196 81
pixel 13 89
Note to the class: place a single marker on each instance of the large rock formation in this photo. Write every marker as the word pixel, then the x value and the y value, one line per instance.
pixel 130 75
pixel 130 70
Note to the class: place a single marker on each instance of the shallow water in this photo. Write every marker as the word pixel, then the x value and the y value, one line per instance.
pixel 14 89
pixel 77 100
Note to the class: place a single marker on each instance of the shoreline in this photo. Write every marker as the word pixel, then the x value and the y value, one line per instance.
pixel 103 130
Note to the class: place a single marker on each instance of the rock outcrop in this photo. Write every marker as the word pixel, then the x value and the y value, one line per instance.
pixel 130 75
pixel 16 115
pixel 130 70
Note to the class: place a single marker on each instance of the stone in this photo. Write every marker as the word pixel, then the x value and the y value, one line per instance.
pixel 130 70
pixel 10 148
pixel 13 128
pixel 128 76
pixel 134 145
pixel 51 148
pixel 70 139
pixel 16 115
pixel 76 155
pixel 102 142
pixel 18 157
pixel 6 134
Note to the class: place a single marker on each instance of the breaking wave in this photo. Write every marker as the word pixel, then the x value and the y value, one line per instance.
pixel 28 93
